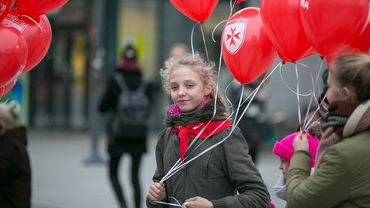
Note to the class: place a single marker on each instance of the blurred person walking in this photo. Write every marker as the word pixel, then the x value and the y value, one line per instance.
pixel 15 168
pixel 127 97
pixel 342 173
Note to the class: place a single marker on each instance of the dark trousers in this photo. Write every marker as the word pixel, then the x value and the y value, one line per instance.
pixel 113 174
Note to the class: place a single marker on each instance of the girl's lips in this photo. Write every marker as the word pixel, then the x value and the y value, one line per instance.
pixel 182 101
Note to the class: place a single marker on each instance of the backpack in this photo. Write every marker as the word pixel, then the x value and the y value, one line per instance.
pixel 130 120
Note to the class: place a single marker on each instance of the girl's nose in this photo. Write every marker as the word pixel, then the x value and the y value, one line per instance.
pixel 181 91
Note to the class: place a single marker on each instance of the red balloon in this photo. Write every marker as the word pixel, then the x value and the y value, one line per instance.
pixel 39 6
pixel 13 54
pixel 363 41
pixel 36 30
pixel 6 88
pixel 282 25
pixel 5 6
pixel 329 24
pixel 246 49
pixel 196 10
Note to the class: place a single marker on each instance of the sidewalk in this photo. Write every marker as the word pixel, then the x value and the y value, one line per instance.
pixel 62 180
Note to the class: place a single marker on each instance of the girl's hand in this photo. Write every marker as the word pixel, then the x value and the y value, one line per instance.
pixel 198 202
pixel 157 192
pixel 301 142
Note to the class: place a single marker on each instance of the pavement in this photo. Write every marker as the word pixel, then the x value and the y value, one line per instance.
pixel 62 179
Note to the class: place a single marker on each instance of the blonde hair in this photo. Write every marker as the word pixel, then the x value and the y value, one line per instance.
pixel 197 64
pixel 353 70
pixel 9 112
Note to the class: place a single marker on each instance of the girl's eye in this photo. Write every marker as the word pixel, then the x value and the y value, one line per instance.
pixel 174 87
pixel 190 85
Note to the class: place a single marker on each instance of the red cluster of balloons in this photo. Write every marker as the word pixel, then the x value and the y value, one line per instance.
pixel 25 34
pixel 293 28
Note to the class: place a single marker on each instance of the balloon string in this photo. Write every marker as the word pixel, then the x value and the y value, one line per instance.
pixel 321 62
pixel 232 6
pixel 240 101
pixel 313 94
pixel 298 100
pixel 192 40
pixel 32 20
pixel 204 41
pixel 309 122
pixel 226 93
pixel 230 14
pixel 171 204
pixel 214 30
pixel 286 84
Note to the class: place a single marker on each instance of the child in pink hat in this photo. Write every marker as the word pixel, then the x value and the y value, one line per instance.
pixel 284 149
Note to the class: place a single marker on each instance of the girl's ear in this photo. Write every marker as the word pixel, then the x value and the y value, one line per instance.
pixel 208 89
pixel 349 93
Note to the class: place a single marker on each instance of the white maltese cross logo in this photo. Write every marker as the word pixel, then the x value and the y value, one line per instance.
pixel 234 36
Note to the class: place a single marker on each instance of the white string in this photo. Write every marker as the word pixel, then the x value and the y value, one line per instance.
pixel 226 93
pixel 240 101
pixel 286 84
pixel 298 100
pixel 204 41
pixel 214 30
pixel 313 94
pixel 312 116
pixel 321 62
pixel 192 40
pixel 230 14
pixel 166 203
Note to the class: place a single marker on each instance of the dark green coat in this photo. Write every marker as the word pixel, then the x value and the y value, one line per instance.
pixel 224 175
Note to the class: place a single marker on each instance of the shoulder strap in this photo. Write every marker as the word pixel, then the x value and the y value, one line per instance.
pixel 120 81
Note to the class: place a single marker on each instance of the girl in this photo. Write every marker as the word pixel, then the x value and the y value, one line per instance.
pixel 214 179
pixel 284 150
pixel 342 174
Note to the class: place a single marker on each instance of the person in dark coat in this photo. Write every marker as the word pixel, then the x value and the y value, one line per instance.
pixel 15 169
pixel 129 69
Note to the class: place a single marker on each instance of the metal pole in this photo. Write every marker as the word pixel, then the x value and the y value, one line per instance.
pixel 97 64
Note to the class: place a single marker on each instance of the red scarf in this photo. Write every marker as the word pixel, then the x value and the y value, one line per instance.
pixel 193 130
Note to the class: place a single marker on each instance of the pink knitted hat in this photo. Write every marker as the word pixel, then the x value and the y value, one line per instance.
pixel 284 147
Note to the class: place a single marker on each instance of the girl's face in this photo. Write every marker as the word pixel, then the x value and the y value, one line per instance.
pixel 337 92
pixel 284 165
pixel 187 89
